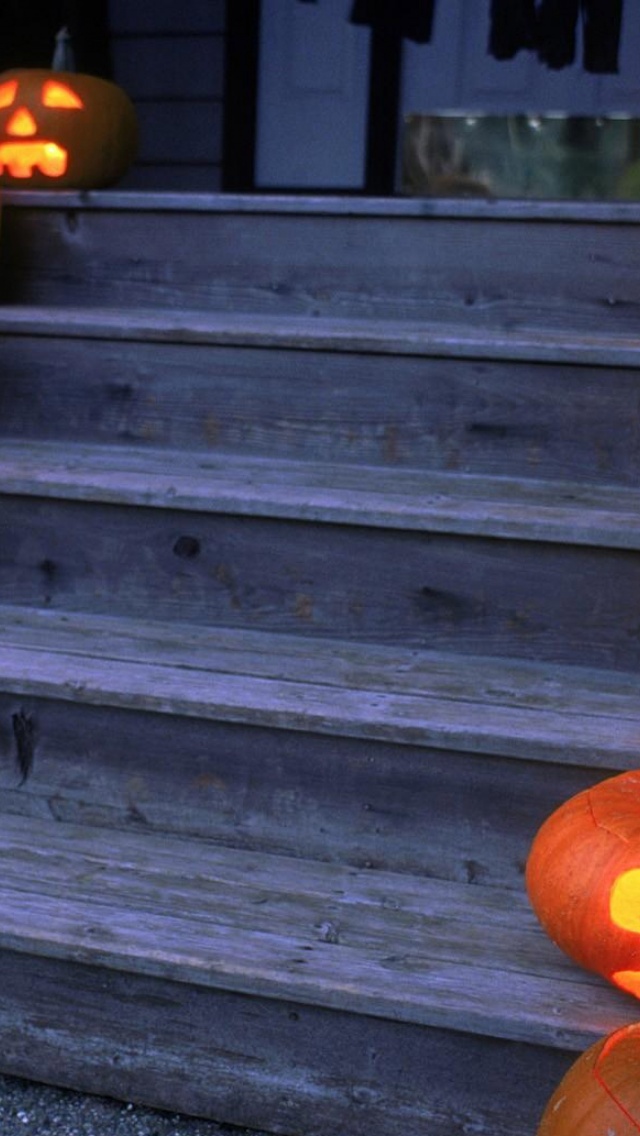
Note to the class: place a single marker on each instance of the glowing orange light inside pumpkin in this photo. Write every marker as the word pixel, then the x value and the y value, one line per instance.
pixel 624 902
pixel 78 131
pixel 21 158
pixel 627 980
pixel 56 94
pixel 8 93
pixel 22 124
pixel 624 909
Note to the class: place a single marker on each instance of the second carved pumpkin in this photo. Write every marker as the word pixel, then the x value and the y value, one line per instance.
pixel 600 1094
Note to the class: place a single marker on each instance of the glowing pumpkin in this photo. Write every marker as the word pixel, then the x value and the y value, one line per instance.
pixel 583 879
pixel 64 130
pixel 600 1095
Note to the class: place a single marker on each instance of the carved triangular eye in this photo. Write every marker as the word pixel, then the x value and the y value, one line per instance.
pixel 8 93
pixel 56 94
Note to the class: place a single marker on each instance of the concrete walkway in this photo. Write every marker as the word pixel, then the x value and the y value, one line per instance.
pixel 29 1109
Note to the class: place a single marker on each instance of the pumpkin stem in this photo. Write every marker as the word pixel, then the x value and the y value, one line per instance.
pixel 63 57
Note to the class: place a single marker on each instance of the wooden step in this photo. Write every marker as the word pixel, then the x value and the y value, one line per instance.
pixel 545 404
pixel 413 761
pixel 319 587
pixel 177 942
pixel 475 566
pixel 513 508
pixel 286 330
pixel 474 704
pixel 449 261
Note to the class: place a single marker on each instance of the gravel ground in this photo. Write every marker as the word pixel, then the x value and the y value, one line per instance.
pixel 29 1109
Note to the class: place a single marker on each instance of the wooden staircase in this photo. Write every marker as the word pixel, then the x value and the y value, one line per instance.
pixel 320 589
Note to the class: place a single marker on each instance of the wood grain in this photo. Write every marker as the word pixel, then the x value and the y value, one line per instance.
pixel 520 509
pixel 395 951
pixel 573 212
pixel 362 336
pixel 471 266
pixel 328 797
pixel 319 584
pixel 469 594
pixel 391 394
pixel 474 705
pixel 255 1061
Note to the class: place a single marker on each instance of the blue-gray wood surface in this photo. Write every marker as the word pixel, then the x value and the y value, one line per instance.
pixel 319 590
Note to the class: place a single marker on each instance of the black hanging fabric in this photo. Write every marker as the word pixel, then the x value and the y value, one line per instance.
pixel 550 29
pixel 601 26
pixel 409 19
pixel 513 27
pixel 556 32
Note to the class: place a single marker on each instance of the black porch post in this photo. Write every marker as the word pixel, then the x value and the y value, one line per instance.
pixel 384 107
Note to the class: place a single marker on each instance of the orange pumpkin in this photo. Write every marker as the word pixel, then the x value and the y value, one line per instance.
pixel 583 879
pixel 64 130
pixel 600 1095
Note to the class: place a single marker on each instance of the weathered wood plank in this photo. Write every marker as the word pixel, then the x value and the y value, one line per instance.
pixel 306 395
pixel 605 212
pixel 411 809
pixel 316 934
pixel 425 699
pixel 359 264
pixel 327 662
pixel 517 509
pixel 259 1062
pixel 471 595
pixel 385 337
pixel 298 706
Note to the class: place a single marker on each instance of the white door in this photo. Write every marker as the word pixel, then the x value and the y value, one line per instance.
pixel 312 96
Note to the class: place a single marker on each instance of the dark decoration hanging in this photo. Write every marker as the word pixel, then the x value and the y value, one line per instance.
pixel 409 19
pixel 601 26
pixel 513 27
pixel 550 29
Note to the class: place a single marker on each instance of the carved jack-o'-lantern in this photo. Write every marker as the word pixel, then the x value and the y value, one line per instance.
pixel 583 879
pixel 600 1095
pixel 64 130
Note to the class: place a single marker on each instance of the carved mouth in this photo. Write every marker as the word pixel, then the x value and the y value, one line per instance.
pixel 628 980
pixel 20 159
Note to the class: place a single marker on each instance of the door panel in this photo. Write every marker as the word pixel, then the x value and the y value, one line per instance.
pixel 313 96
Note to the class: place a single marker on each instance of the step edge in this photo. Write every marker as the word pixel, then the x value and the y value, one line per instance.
pixel 226 484
pixel 322 334
pixel 101 927
pixel 474 728
pixel 329 205
pixel 464 1019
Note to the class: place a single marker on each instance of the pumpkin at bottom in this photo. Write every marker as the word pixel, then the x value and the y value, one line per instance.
pixel 600 1094
pixel 583 879
pixel 64 130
